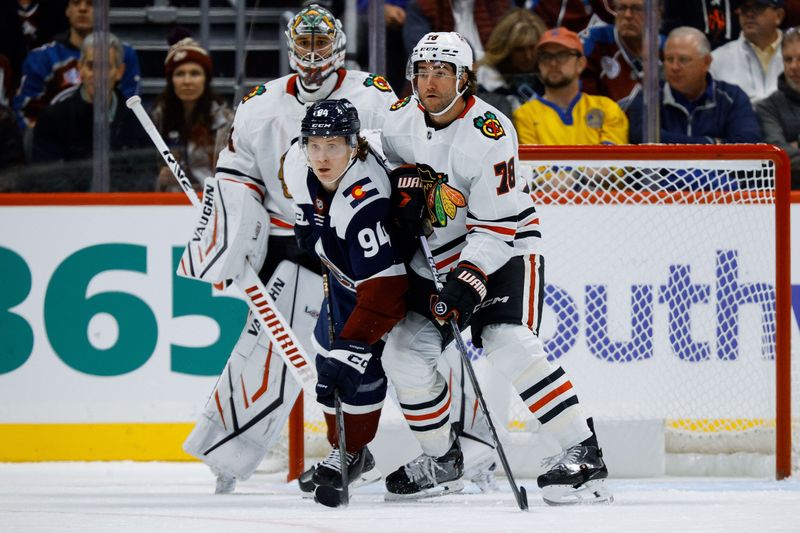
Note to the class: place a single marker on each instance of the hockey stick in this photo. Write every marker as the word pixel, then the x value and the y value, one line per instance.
pixel 259 301
pixel 332 498
pixel 519 492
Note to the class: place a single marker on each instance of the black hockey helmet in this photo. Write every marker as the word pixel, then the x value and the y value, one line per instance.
pixel 331 118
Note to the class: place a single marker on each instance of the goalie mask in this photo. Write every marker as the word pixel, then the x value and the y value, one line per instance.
pixel 316 45
pixel 441 47
pixel 324 123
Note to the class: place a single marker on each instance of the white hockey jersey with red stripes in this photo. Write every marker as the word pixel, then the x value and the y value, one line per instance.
pixel 267 121
pixel 480 212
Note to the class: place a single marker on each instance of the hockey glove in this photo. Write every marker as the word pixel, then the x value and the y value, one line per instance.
pixel 407 210
pixel 343 369
pixel 464 289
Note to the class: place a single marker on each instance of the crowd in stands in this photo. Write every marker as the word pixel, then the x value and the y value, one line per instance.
pixel 566 72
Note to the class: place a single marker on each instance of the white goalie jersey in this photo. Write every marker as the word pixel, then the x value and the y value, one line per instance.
pixel 267 121
pixel 479 211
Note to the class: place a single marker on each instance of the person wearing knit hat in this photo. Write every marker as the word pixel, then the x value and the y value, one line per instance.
pixel 187 50
pixel 190 116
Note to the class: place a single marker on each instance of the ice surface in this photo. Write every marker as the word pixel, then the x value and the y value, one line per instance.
pixel 175 497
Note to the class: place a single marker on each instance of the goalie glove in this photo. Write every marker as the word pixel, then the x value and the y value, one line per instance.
pixel 464 289
pixel 231 232
pixel 342 369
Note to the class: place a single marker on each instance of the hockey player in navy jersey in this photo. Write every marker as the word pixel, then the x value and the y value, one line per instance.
pixel 485 241
pixel 341 190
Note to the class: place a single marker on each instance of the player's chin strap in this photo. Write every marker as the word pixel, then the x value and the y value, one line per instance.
pixel 455 99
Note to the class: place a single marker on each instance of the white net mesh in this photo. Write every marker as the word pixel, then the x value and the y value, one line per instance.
pixel 660 292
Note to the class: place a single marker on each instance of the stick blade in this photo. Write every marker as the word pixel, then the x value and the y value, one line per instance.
pixel 523 498
pixel 331 496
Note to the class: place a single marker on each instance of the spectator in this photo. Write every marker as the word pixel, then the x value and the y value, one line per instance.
pixel 28 24
pixel 193 119
pixel 716 18
pixel 565 115
pixel 614 53
pixel 753 61
pixel 506 77
pixel 695 108
pixel 473 19
pixel 50 69
pixel 575 15
pixel 64 131
pixel 779 113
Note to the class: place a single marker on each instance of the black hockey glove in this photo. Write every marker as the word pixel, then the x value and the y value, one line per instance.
pixel 464 289
pixel 407 210
pixel 343 369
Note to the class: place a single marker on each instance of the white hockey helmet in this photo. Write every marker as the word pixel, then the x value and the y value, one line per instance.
pixel 447 46
pixel 444 46
pixel 314 66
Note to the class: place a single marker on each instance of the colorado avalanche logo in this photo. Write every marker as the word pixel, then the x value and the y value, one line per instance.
pixel 400 103
pixel 442 199
pixel 489 125
pixel 379 82
pixel 257 91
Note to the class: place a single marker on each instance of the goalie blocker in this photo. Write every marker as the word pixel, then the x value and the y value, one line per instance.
pixel 231 230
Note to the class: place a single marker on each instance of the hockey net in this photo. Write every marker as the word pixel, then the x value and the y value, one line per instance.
pixel 667 301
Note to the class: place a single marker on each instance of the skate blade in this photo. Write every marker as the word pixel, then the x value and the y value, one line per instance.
pixel 367 478
pixel 590 493
pixel 448 487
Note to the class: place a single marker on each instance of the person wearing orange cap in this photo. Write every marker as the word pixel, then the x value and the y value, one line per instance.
pixel 190 116
pixel 564 114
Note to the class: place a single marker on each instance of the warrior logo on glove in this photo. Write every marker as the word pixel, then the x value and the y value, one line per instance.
pixel 464 290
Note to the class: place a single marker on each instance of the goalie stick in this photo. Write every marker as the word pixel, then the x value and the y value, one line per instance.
pixel 519 492
pixel 259 301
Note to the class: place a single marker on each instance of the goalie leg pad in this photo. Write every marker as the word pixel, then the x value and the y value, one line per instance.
pixel 247 409
pixel 518 355
pixel 410 360
pixel 253 397
pixel 230 232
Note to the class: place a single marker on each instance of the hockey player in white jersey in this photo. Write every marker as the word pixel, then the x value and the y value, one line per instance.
pixel 485 239
pixel 341 190
pixel 244 417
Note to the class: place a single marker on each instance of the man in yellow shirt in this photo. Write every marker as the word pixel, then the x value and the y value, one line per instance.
pixel 565 115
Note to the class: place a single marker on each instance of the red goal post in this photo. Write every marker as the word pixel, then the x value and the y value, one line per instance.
pixel 698 239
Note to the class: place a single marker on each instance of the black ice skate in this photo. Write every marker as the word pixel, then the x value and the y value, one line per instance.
pixel 576 476
pixel 427 476
pixel 326 478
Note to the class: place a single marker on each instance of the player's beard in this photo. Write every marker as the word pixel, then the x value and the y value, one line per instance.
pixel 433 107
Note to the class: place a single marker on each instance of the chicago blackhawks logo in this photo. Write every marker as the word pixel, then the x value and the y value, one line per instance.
pixel 443 200
pixel 256 91
pixel 489 125
pixel 379 82
pixel 400 103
